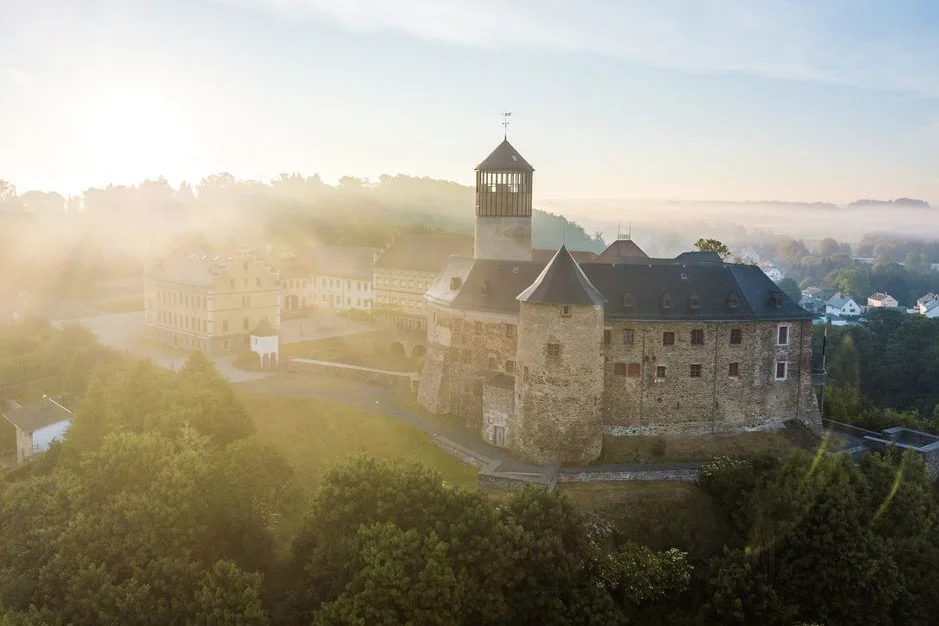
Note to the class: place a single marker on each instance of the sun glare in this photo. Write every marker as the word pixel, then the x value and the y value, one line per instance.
pixel 130 133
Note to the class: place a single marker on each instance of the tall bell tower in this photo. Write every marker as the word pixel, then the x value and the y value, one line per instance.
pixel 503 205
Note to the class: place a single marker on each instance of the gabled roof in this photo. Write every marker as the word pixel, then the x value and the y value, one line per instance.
pixel 264 329
pixel 878 296
pixel 424 252
pixel 837 301
pixel 562 281
pixel 493 285
pixel 344 261
pixel 542 255
pixel 32 417
pixel 619 250
pixel 505 157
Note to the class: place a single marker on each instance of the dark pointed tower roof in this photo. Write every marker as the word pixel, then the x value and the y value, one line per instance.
pixel 562 282
pixel 505 158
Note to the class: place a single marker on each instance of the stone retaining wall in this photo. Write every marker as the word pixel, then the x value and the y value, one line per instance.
pixel 685 475
pixel 395 380
pixel 462 453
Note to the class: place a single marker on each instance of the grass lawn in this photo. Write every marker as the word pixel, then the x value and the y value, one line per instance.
pixel 704 447
pixel 352 351
pixel 314 433
pixel 661 514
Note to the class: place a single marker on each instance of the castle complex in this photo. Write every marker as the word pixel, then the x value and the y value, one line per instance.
pixel 544 359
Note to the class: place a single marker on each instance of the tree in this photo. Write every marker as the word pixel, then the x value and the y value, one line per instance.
pixel 713 245
pixel 791 288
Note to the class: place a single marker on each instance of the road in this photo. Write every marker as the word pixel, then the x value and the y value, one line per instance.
pixel 126 331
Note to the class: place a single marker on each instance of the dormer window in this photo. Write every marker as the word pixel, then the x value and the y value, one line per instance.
pixel 628 301
pixel 666 301
pixel 565 311
pixel 693 302
pixel 775 299
pixel 732 301
pixel 455 283
pixel 485 289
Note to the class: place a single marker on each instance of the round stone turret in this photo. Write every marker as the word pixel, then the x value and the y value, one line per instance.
pixel 559 371
pixel 503 205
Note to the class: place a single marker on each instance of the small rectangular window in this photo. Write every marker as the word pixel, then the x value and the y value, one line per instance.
pixel 478 328
pixel 660 372
pixel 695 371
pixel 736 336
pixel 510 367
pixel 781 372
pixel 668 338
pixel 231 283
pixel 619 369
pixel 782 336
pixel 257 281
pixel 245 323
pixel 554 350
pixel 525 376
pixel 632 370
pixel 510 330
pixel 629 337
pixel 697 337
pixel 565 311
pixel 607 336
pixel 467 356
pixel 491 362
pixel 733 370
pixel 224 326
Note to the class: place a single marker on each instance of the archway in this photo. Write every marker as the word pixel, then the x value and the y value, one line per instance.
pixel 397 348
pixel 418 351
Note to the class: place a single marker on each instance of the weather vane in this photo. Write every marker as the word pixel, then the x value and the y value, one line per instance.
pixel 505 123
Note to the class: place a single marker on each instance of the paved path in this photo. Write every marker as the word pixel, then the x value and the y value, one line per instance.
pixel 125 331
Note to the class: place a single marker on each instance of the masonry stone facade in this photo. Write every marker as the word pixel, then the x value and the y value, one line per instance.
pixel 543 359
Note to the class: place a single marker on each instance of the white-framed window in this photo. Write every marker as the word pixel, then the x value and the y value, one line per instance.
pixel 782 335
pixel 782 370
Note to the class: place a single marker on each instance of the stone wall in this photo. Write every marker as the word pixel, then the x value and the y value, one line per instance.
pixel 395 380
pixel 714 401
pixel 478 346
pixel 557 403
pixel 498 410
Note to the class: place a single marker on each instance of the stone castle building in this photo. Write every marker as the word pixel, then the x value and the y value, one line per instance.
pixel 544 359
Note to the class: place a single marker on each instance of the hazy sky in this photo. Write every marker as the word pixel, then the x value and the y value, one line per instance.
pixel 697 99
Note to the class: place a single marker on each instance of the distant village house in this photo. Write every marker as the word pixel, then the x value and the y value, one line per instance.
pixel 840 305
pixel 928 305
pixel 882 301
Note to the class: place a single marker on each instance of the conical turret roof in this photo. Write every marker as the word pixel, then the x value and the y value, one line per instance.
pixel 562 281
pixel 505 158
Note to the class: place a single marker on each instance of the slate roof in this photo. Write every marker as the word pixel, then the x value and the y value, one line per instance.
pixel 562 281
pixel 493 285
pixel 505 158
pixel 264 329
pixel 424 252
pixel 620 249
pixel 837 301
pixel 344 261
pixel 191 268
pixel 540 255
pixel 32 417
